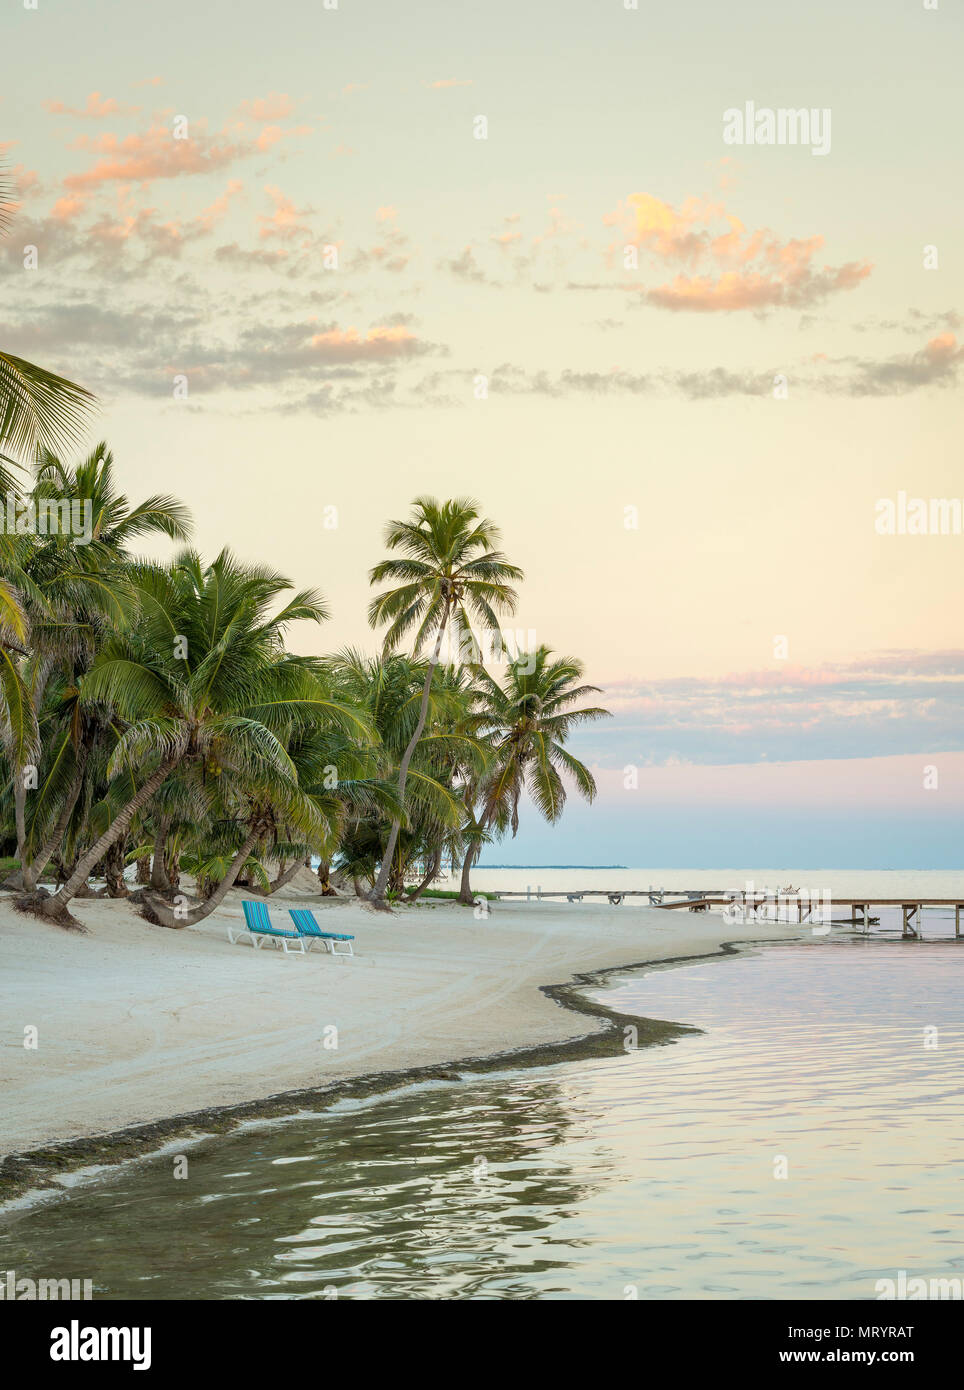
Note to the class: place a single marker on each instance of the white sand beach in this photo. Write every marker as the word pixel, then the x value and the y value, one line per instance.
pixel 137 1023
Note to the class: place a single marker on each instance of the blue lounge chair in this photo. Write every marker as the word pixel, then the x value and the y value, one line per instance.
pixel 258 930
pixel 304 920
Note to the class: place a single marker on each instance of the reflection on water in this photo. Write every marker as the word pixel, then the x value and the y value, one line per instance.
pixel 652 1172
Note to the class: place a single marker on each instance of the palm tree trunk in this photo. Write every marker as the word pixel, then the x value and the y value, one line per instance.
pixel 19 790
pixel 465 888
pixel 385 868
pixel 144 870
pixel 31 874
pixel 157 910
pixel 285 875
pixel 159 879
pixel 115 861
pixel 435 864
pixel 324 870
pixel 172 862
pixel 472 856
pixel 20 814
pixel 56 906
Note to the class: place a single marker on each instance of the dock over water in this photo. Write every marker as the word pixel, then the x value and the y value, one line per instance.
pixel 799 906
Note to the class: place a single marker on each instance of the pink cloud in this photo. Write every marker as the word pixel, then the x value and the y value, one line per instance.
pixel 153 155
pixel 726 270
pixel 347 344
pixel 156 154
pixel 286 222
pixel 68 208
pixel 943 350
pixel 274 107
pixel 216 211
pixel 97 108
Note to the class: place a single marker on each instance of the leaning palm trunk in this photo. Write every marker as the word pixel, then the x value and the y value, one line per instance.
pixel 33 870
pixel 435 863
pixel 285 875
pixel 385 868
pixel 157 910
pixel 56 906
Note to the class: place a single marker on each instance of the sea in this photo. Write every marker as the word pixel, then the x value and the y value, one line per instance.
pixel 808 1142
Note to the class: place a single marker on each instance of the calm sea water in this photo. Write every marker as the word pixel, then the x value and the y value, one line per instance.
pixel 914 884
pixel 808 1143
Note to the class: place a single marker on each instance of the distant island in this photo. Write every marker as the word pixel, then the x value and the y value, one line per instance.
pixel 552 866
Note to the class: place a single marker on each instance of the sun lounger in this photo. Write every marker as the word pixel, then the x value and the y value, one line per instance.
pixel 258 930
pixel 304 920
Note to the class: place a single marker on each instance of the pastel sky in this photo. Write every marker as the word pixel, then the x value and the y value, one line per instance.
pixel 742 347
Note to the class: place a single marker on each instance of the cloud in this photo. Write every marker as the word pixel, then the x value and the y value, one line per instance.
pixel 444 82
pixel 392 250
pixel 138 350
pixel 378 344
pixel 510 234
pixel 884 704
pixel 510 379
pixel 936 364
pixel 914 322
pixel 465 267
pixel 735 290
pixel 723 267
pixel 156 154
pixel 212 215
pixel 274 107
pixel 96 108
pixel 286 222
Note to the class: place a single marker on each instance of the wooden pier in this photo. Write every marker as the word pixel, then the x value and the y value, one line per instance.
pixel 655 896
pixel 805 905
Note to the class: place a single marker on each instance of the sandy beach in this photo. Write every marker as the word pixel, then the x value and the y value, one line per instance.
pixel 137 1023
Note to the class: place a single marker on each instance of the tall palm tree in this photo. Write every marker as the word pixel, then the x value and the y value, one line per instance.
pixel 448 566
pixel 532 713
pixel 37 407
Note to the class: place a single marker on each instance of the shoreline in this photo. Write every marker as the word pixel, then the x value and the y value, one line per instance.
pixel 36 1170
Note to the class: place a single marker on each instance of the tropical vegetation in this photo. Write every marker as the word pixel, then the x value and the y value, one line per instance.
pixel 162 743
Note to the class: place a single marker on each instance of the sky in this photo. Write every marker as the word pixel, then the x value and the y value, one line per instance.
pixel 318 259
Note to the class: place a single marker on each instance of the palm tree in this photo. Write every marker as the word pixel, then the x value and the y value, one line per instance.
pixel 202 681
pixel 532 713
pixel 37 407
pixel 448 567
pixel 71 591
pixel 390 689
